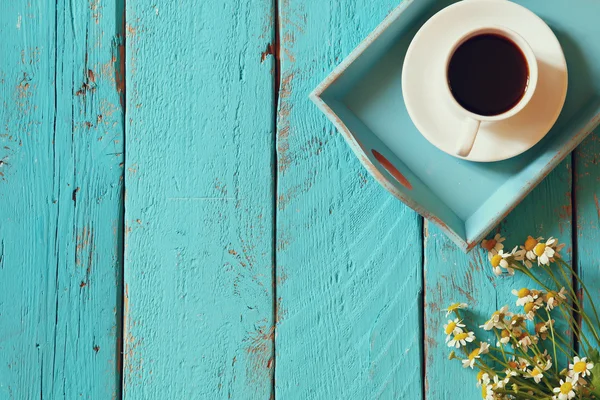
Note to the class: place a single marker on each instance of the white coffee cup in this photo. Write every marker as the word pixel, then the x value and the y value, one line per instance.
pixel 472 121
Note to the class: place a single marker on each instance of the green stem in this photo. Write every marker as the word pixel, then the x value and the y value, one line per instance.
pixel 568 319
pixel 501 348
pixel 555 336
pixel 578 311
pixel 576 300
pixel 561 262
pixel 578 331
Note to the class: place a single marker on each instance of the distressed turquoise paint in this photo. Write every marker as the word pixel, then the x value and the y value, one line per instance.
pixel 60 200
pixel 452 276
pixel 587 209
pixel 348 253
pixel 199 307
pixel 200 187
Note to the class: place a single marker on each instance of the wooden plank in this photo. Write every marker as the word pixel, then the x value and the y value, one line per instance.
pixel 451 276
pixel 349 255
pixel 61 153
pixel 200 187
pixel 587 206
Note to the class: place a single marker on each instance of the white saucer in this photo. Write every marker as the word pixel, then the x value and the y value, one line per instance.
pixel 422 83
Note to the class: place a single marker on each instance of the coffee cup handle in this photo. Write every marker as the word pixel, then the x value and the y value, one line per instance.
pixel 467 139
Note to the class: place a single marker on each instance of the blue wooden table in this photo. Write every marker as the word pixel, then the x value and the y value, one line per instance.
pixel 178 221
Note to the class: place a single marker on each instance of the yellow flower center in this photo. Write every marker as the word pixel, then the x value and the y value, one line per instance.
pixel 536 371
pixel 530 243
pixel 505 333
pixel 579 367
pixel 566 387
pixel 528 307
pixel 450 327
pixel 460 336
pixel 483 392
pixel 550 295
pixel 539 249
pixel 480 375
pixel 523 292
pixel 496 260
pixel 454 307
pixel 473 354
pixel 513 365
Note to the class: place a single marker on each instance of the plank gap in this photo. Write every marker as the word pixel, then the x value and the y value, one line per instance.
pixel 574 244
pixel 424 230
pixel 121 78
pixel 276 87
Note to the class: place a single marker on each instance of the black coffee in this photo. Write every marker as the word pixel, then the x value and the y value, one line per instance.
pixel 488 74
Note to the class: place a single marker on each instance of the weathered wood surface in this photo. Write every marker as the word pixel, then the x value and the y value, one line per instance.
pixel 61 154
pixel 348 253
pixel 587 216
pixel 261 260
pixel 199 205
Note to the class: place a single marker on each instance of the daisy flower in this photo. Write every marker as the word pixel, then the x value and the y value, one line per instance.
pixel 518 321
pixel 454 307
pixel 500 383
pixel 513 364
pixel 487 392
pixel 510 371
pixel 461 339
pixel 526 340
pixel 542 329
pixel 526 251
pixel 537 373
pixel 551 300
pixel 523 364
pixel 500 260
pixel 565 390
pixel 557 247
pixel 545 364
pixel 484 348
pixel 483 378
pixel 497 319
pixel 531 308
pixel 524 296
pixel 554 299
pixel 504 336
pixel 544 252
pixel 453 328
pixel 493 244
pixel 471 358
pixel 580 368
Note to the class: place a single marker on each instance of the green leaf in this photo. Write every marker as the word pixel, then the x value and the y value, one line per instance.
pixel 594 357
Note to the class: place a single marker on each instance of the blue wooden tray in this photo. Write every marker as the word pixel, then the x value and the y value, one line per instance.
pixel 363 98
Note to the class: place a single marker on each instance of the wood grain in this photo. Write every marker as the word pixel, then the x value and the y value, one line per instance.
pixel 199 206
pixel 348 253
pixel 587 210
pixel 452 276
pixel 261 260
pixel 61 154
